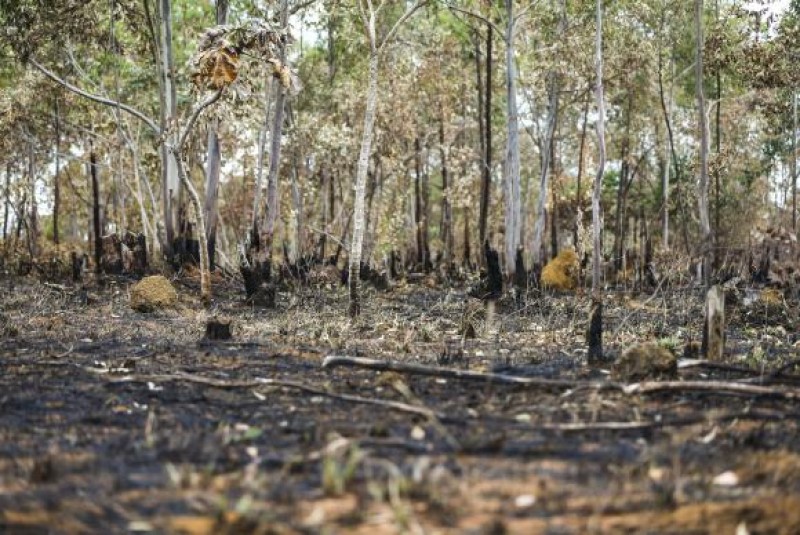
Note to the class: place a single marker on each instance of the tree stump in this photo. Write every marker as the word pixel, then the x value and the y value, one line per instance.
pixel 218 329
pixel 714 329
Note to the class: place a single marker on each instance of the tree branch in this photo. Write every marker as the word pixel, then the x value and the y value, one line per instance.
pixel 410 11
pixel 473 14
pixel 96 98
pixel 211 99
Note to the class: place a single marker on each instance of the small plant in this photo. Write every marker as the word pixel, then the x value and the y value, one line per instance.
pixel 339 464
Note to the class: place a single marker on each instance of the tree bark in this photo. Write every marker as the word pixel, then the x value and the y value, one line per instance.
pixel 702 197
pixel 578 192
pixel 447 211
pixel 6 202
pixel 622 188
pixel 98 234
pixel 422 260
pixel 213 162
pixel 486 168
pixel 273 205
pixel 56 184
pixel 169 113
pixel 595 332
pixel 357 240
pixel 512 164
pixel 794 160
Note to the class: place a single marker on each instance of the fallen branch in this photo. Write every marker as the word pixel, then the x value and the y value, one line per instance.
pixel 672 422
pixel 710 387
pixel 333 361
pixel 261 382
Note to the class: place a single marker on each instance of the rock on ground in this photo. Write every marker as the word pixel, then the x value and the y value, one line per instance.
pixel 153 293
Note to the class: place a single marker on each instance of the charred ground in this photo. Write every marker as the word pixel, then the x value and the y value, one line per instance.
pixel 116 421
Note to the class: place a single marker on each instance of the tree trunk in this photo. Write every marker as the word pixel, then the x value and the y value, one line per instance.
pixel 595 332
pixel 578 192
pixel 169 112
pixel 275 156
pixel 6 202
pixel 486 168
pixel 98 234
pixel 717 135
pixel 702 197
pixel 418 204
pixel 56 184
pixel 213 162
pixel 512 166
pixel 447 212
pixel 665 107
pixel 357 240
pixel 794 160
pixel 33 215
pixel 622 188
pixel 553 207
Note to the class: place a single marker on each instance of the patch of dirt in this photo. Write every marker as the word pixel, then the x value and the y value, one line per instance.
pixel 114 421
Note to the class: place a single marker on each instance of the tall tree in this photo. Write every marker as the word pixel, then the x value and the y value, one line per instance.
pixel 595 332
pixel 547 148
pixel 513 211
pixel 707 250
pixel 369 14
pixel 213 162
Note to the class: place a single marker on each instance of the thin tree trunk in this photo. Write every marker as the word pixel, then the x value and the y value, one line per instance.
pixel 56 184
pixel 486 176
pixel 666 110
pixel 702 197
pixel 421 208
pixel 553 203
pixel 213 162
pixel 177 151
pixel 98 238
pixel 621 216
pixel 595 331
pixel 578 192
pixel 275 148
pixel 6 201
pixel 357 240
pixel 447 213
pixel 512 164
pixel 717 136
pixel 537 245
pixel 33 216
pixel 794 160
pixel 169 112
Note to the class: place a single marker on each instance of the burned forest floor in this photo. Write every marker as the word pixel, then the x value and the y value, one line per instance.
pixel 116 421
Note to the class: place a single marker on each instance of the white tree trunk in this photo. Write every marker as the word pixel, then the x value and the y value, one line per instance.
pixel 595 331
pixel 702 194
pixel 213 162
pixel 357 241
pixel 169 113
pixel 552 113
pixel 512 164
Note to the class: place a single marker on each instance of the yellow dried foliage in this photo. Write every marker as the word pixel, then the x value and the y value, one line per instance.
pixel 561 273
pixel 216 68
pixel 281 72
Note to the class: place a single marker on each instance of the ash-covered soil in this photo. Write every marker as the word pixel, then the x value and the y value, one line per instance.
pixel 115 421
